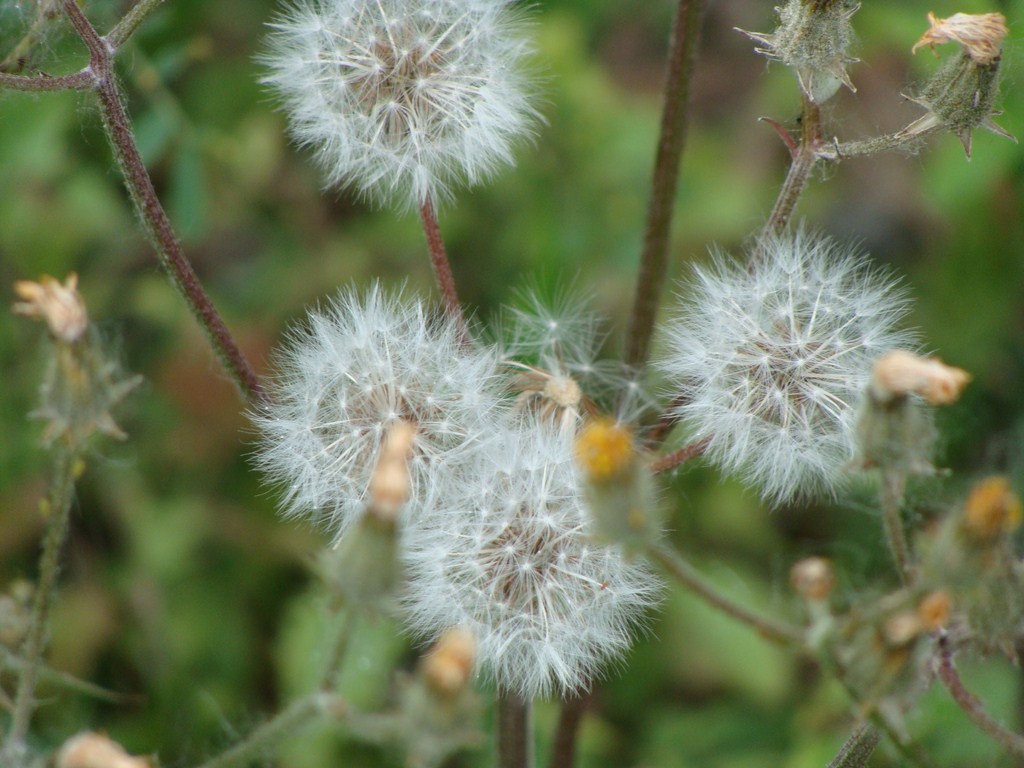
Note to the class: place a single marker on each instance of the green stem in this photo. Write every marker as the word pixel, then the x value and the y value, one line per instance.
pixel 59 510
pixel 891 495
pixel 514 731
pixel 288 722
pixel 124 29
pixel 689 577
pixel 337 645
pixel 65 680
pixel 674 123
pixel 857 749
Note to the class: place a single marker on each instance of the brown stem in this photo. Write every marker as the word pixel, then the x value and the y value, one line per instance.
pixel 514 731
pixel 681 456
pixel 674 122
pixel 147 204
pixel 563 750
pixel 79 81
pixel 688 576
pixel 1019 648
pixel 799 174
pixel 439 260
pixel 663 426
pixel 972 705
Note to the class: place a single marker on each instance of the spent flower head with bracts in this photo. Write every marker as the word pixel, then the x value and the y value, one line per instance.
pixel 507 554
pixel 398 99
pixel 773 358
pixel 357 368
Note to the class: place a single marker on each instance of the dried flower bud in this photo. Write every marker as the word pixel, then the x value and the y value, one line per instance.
pixel 59 305
pixel 991 509
pixel 933 611
pixel 961 95
pixel 813 578
pixel 981 34
pixel 91 750
pixel 448 668
pixel 902 628
pixel 898 374
pixel 389 484
pixel 813 37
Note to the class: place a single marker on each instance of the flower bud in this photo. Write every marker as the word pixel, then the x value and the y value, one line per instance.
pixel 618 486
pixel 82 385
pixel 813 578
pixel 91 750
pixel 813 37
pixel 389 484
pixel 934 610
pixel 448 668
pixel 991 510
pixel 961 95
pixel 898 373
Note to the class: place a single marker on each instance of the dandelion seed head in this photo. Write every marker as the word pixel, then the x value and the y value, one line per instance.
pixel 773 359
pixel 401 100
pixel 351 372
pixel 514 564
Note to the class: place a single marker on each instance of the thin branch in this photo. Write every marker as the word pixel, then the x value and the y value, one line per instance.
pixel 147 204
pixel 59 509
pixel 679 457
pixel 857 749
pixel 663 426
pixel 563 750
pixel 287 723
pixel 972 705
pixel 689 577
pixel 803 162
pixel 439 260
pixel 514 731
pixel 674 123
pixel 124 29
pixel 66 680
pixel 79 81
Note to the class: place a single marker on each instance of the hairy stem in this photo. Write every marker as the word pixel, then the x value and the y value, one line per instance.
pixel 59 511
pixel 79 81
pixel 803 162
pixel 674 123
pixel 130 22
pixel 439 260
pixel 563 750
pixel 973 706
pixel 857 749
pixel 891 495
pixel 689 577
pixel 151 211
pixel 288 722
pixel 679 457
pixel 514 731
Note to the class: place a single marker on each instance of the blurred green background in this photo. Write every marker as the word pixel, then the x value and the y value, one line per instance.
pixel 180 582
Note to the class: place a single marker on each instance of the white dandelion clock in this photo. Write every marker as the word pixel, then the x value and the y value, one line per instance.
pixel 349 374
pixel 402 100
pixel 507 554
pixel 771 360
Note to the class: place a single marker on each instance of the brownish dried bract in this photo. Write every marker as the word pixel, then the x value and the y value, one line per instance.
pixel 934 610
pixel 91 750
pixel 992 509
pixel 389 485
pixel 813 578
pixel 59 305
pixel 898 374
pixel 448 667
pixel 981 34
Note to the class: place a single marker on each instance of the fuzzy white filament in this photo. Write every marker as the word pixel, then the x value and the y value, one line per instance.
pixel 507 555
pixel 354 370
pixel 402 99
pixel 771 360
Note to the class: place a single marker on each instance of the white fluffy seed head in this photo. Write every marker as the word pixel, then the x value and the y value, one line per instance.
pixel 401 99
pixel 507 555
pixel 346 377
pixel 772 360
